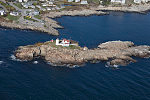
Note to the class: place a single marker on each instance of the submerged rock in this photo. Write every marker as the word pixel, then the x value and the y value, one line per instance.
pixel 116 52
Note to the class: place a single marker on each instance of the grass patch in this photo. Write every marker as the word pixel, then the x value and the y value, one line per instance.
pixel 27 18
pixel 74 47
pixel 53 44
pixel 93 1
pixel 18 5
pixel 37 16
pixel 12 18
pixel 8 7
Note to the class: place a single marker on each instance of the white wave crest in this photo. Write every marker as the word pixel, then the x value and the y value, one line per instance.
pixel 35 62
pixel 67 65
pixel 1 62
pixel 108 65
pixel 15 59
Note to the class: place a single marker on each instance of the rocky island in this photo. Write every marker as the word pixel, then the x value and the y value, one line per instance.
pixel 113 52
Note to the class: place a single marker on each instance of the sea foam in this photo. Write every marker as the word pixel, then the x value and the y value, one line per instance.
pixel 35 62
pixel 15 59
pixel 1 62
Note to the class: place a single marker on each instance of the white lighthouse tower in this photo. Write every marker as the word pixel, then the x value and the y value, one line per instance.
pixel 57 41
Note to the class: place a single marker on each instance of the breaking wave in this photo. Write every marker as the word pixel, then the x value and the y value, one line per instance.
pixel 1 62
pixel 68 65
pixel 114 66
pixel 35 62
pixel 15 59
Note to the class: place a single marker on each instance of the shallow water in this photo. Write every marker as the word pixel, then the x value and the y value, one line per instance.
pixel 37 80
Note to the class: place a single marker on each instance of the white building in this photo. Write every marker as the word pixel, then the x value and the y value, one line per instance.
pixel 118 1
pixel 25 0
pixel 84 2
pixel 42 0
pixel 64 42
pixel 36 12
pixel 77 0
pixel 38 6
pixel 14 13
pixel 2 12
pixel 137 1
pixel 48 8
pixel 141 1
pixel 20 0
pixel 70 0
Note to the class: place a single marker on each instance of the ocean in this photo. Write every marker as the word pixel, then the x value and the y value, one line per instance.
pixel 37 80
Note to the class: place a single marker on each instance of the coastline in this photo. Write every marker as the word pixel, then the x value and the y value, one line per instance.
pixel 52 25
pixel 113 52
pixel 141 8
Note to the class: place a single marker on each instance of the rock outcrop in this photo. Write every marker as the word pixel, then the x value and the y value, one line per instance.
pixel 115 52
pixel 141 8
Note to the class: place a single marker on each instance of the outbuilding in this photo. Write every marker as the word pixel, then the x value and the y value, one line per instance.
pixel 2 12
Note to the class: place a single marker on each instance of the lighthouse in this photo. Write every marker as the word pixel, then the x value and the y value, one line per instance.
pixel 57 41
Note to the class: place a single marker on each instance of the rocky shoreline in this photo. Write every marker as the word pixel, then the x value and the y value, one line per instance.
pixel 52 25
pixel 113 52
pixel 141 8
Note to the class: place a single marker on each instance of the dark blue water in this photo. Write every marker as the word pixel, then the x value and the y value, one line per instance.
pixel 29 81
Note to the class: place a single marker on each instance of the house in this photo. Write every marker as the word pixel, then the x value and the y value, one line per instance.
pixel 84 2
pixel 28 4
pixel 20 0
pixel 137 1
pixel 25 5
pixel 38 6
pixel 14 13
pixel 141 1
pixel 25 0
pixel 43 9
pixel 70 0
pixel 63 42
pixel 118 1
pixel 77 0
pixel 32 6
pixel 2 12
pixel 66 43
pixel 48 8
pixel 44 4
pixel 49 2
pixel 36 12
pixel 42 0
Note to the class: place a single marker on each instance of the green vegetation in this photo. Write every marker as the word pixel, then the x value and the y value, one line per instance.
pixel 27 18
pixel 45 26
pixel 36 3
pixel 74 47
pixel 12 18
pixel 37 16
pixel 38 44
pixel 18 5
pixel 93 1
pixel 8 7
pixel 53 44
pixel 105 2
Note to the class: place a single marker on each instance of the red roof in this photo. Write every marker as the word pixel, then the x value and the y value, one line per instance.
pixel 66 40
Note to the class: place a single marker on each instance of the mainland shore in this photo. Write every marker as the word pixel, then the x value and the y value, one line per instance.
pixel 51 25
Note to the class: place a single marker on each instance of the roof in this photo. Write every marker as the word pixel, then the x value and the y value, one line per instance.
pixel 66 40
